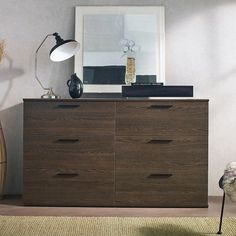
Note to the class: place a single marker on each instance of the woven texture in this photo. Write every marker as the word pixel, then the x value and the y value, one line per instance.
pixel 112 226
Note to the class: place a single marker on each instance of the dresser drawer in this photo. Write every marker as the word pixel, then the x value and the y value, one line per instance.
pixel 162 118
pixel 86 117
pixel 37 145
pixel 65 192
pixel 160 175
pixel 69 185
pixel 161 153
pixel 161 186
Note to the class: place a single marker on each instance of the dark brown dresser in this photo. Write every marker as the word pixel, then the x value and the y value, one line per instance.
pixel 116 152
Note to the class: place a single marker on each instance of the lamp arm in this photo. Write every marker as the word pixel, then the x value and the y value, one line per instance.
pixel 36 62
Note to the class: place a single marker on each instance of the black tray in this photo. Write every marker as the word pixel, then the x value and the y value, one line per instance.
pixel 157 91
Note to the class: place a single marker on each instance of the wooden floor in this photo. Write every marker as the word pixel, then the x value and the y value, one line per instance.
pixel 12 206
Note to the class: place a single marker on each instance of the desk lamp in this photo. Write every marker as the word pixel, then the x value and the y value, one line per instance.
pixel 63 50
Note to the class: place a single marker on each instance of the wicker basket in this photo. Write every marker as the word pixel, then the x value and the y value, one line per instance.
pixel 3 162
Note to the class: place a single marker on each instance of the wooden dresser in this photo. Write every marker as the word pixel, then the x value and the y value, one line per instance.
pixel 116 152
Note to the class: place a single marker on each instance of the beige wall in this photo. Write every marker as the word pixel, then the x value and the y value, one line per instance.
pixel 200 50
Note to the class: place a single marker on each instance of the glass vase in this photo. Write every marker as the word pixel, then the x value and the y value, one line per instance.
pixel 130 71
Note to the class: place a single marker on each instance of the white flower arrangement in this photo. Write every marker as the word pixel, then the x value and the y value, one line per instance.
pixel 129 47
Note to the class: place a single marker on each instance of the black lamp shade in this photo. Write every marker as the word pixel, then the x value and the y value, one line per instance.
pixel 63 50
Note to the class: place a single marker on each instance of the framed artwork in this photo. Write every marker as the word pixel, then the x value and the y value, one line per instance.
pixel 110 37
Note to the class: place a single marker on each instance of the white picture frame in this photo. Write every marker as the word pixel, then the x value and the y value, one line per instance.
pixel 82 11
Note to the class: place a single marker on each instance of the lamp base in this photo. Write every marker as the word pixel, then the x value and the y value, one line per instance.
pixel 50 95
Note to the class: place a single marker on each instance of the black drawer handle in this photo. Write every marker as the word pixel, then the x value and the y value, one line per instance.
pixel 160 106
pixel 68 140
pixel 159 141
pixel 66 175
pixel 159 176
pixel 68 106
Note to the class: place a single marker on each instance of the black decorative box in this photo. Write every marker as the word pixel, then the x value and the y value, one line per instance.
pixel 156 91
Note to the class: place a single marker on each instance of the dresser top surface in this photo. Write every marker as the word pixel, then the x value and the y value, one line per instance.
pixel 114 99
